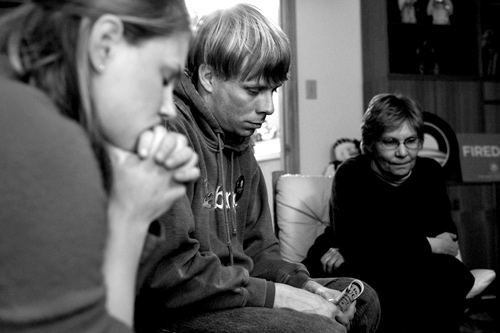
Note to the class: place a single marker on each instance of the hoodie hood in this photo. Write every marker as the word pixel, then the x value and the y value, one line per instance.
pixel 186 93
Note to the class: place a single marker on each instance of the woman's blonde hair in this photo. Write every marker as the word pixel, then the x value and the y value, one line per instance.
pixel 47 42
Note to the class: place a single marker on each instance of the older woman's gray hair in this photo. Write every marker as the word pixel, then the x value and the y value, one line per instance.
pixel 386 112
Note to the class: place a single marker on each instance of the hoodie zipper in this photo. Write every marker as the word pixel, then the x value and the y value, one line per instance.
pixel 227 221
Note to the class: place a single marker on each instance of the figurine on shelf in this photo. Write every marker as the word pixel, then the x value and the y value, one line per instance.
pixel 489 53
pixel 440 10
pixel 342 149
pixel 407 8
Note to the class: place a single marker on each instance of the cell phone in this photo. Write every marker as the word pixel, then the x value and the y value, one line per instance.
pixel 349 295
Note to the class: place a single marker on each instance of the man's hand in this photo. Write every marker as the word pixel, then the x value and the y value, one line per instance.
pixel 333 296
pixel 445 243
pixel 331 260
pixel 308 302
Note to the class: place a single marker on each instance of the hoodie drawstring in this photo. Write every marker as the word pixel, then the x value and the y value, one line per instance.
pixel 222 175
pixel 232 209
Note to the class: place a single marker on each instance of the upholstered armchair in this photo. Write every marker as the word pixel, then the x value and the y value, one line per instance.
pixel 301 213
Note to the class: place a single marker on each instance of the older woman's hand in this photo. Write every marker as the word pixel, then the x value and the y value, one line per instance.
pixel 445 243
pixel 331 260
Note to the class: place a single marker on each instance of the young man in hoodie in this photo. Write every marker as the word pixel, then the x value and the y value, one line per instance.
pixel 212 264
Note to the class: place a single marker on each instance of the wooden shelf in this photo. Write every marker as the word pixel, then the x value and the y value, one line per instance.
pixel 10 3
pixel 427 48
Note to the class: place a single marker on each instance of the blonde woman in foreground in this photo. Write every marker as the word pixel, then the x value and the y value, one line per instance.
pixel 86 166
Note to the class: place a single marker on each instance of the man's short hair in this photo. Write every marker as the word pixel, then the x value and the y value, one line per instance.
pixel 241 43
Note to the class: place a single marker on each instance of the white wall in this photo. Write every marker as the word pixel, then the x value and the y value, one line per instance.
pixel 328 51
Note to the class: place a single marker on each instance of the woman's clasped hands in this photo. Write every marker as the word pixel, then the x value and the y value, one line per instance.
pixel 148 182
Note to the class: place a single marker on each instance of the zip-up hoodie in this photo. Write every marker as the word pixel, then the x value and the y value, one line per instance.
pixel 207 253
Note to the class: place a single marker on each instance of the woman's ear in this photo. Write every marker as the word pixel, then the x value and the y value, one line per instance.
pixel 206 77
pixel 106 33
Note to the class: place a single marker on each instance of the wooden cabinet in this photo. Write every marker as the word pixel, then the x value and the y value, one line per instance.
pixel 457 78
pixel 431 61
pixel 423 47
pixel 464 89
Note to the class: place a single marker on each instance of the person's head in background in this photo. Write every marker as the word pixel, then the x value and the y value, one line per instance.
pixel 392 131
pixel 238 59
pixel 111 65
pixel 343 149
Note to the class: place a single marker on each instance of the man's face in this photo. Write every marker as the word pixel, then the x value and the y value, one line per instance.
pixel 241 107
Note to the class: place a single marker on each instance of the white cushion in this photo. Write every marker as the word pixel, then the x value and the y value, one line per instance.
pixel 302 211
pixel 482 279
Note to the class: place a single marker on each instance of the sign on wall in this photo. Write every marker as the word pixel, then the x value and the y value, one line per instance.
pixel 479 157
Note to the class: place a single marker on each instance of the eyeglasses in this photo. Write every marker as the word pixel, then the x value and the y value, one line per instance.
pixel 393 144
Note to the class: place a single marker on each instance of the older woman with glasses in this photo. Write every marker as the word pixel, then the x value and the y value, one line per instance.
pixel 392 223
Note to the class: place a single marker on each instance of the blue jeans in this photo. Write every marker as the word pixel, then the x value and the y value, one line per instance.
pixel 262 320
